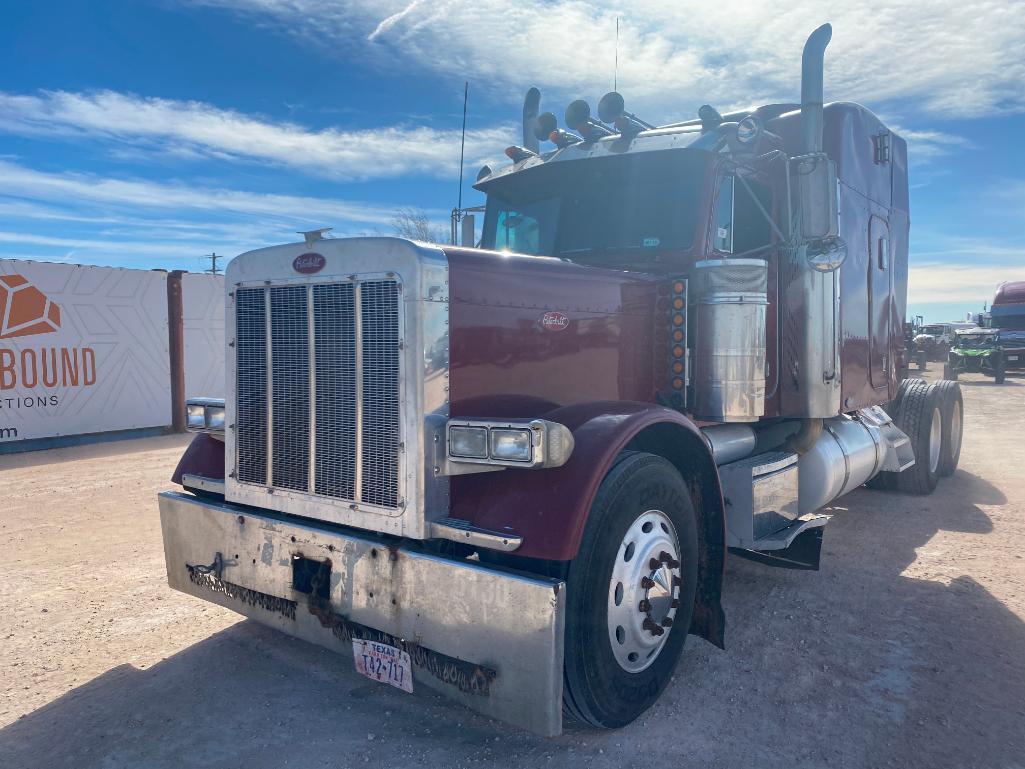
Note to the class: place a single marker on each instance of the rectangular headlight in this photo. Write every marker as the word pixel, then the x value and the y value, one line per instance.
pixel 511 445
pixel 468 442
pixel 215 417
pixel 205 415
pixel 196 416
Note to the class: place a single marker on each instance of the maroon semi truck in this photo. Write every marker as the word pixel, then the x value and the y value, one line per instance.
pixel 1007 313
pixel 512 473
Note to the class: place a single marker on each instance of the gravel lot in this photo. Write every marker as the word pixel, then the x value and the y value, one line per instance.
pixel 906 649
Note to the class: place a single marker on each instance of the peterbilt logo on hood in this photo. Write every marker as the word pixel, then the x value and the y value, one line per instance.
pixel 554 321
pixel 308 263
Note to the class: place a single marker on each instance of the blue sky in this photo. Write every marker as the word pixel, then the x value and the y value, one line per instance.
pixel 146 133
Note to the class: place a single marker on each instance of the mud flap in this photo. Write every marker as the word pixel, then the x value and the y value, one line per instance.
pixel 803 552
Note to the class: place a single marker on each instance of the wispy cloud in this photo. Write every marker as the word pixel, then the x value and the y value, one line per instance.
pixel 197 130
pixel 945 282
pixel 104 220
pixel 112 194
pixel 945 57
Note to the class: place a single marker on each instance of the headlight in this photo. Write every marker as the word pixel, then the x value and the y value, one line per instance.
pixel 511 445
pixel 490 445
pixel 215 417
pixel 196 416
pixel 469 442
pixel 205 415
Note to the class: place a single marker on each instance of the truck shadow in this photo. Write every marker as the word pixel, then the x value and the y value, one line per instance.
pixel 887 656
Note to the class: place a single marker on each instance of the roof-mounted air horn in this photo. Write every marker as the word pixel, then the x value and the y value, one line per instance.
pixel 612 110
pixel 578 117
pixel 546 126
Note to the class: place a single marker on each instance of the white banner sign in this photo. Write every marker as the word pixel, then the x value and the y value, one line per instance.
pixel 82 350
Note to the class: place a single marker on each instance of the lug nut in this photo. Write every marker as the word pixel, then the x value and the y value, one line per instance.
pixel 654 564
pixel 668 560
pixel 644 605
pixel 647 583
pixel 652 627
pixel 675 604
pixel 667 622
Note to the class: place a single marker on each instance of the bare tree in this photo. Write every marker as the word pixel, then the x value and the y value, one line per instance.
pixel 413 223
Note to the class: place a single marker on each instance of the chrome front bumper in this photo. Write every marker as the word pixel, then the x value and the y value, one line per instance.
pixel 490 639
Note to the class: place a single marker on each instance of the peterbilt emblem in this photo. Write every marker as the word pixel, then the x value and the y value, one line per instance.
pixel 308 263
pixel 554 321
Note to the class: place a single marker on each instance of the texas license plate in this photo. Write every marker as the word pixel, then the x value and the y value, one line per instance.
pixel 384 663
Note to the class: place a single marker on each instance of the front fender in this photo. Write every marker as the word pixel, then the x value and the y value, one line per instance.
pixel 549 508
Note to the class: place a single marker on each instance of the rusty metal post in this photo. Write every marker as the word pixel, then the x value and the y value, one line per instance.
pixel 176 348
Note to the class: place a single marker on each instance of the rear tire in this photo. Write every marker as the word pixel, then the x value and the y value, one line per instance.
pixel 949 372
pixel 953 427
pixel 921 418
pixel 1000 373
pixel 609 687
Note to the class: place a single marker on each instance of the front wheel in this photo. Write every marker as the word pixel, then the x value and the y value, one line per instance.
pixel 630 592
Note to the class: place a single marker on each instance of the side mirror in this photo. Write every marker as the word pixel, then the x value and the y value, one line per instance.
pixel 816 196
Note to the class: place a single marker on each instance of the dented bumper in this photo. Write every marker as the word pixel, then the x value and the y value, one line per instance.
pixel 490 639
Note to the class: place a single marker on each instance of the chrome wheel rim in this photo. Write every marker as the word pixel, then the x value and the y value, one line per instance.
pixel 644 591
pixel 935 440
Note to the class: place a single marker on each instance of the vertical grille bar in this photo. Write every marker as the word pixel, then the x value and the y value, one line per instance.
pixel 379 344
pixel 311 333
pixel 269 416
pixel 335 401
pixel 358 459
pixel 290 388
pixel 251 385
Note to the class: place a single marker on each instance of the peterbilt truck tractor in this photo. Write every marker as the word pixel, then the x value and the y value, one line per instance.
pixel 512 473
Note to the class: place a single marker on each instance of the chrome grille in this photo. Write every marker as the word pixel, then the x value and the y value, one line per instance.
pixel 319 364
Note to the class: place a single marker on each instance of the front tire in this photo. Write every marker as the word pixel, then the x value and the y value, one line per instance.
pixel 630 592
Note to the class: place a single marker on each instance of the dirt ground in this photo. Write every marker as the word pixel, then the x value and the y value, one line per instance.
pixel 906 649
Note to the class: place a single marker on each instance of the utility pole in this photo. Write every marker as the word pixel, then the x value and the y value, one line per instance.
pixel 214 269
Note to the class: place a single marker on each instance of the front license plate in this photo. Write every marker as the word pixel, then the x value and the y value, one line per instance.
pixel 384 663
pixel 1012 357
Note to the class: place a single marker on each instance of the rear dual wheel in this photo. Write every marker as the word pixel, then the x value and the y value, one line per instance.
pixel 630 592
pixel 932 416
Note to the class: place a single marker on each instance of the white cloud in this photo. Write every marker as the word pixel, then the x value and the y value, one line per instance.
pixel 20 182
pixel 945 282
pixel 946 57
pixel 190 130
pixel 132 222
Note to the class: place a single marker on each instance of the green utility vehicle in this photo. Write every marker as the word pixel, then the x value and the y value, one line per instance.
pixel 975 350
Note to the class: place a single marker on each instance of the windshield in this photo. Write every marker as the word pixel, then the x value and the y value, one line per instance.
pixel 1008 321
pixel 643 202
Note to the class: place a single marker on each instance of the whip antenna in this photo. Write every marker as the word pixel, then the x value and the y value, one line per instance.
pixel 462 143
pixel 615 67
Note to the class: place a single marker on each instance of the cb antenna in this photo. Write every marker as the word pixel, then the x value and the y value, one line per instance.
pixel 615 67
pixel 462 144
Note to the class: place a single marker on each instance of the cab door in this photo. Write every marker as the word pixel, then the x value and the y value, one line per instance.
pixel 880 297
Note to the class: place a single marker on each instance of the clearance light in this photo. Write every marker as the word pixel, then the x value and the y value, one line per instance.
pixel 533 443
pixel 516 154
pixel 678 348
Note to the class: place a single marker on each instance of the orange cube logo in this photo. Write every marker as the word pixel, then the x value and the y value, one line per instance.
pixel 25 310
